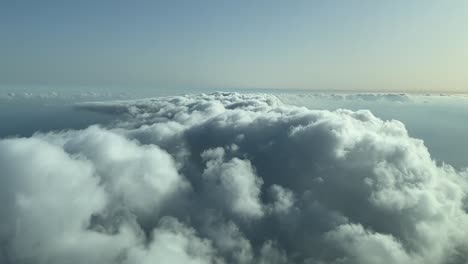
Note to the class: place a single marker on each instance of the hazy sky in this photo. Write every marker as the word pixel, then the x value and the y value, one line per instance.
pixel 359 45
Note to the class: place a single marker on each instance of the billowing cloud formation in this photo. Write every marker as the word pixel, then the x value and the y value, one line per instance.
pixel 229 178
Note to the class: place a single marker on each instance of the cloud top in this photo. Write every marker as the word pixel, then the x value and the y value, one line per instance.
pixel 230 178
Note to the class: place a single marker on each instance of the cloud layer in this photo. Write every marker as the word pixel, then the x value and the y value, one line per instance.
pixel 229 178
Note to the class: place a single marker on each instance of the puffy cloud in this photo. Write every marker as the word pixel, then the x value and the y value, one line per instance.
pixel 139 177
pixel 230 241
pixel 48 198
pixel 283 199
pixel 362 246
pixel 233 182
pixel 230 178
pixel 172 242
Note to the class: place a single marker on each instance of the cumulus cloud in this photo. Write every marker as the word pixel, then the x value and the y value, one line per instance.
pixel 229 178
pixel 233 182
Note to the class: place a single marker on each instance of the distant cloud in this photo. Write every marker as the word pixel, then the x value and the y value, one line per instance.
pixel 350 97
pixel 229 178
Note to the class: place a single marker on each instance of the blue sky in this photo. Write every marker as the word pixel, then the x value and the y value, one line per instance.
pixel 337 45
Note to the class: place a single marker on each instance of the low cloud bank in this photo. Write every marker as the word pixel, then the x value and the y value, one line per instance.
pixel 229 178
pixel 354 97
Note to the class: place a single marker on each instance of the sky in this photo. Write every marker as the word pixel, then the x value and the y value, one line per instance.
pixel 361 45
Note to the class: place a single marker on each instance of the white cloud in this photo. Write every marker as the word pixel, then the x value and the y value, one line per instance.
pixel 233 182
pixel 48 198
pixel 172 242
pixel 283 199
pixel 230 178
pixel 362 246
